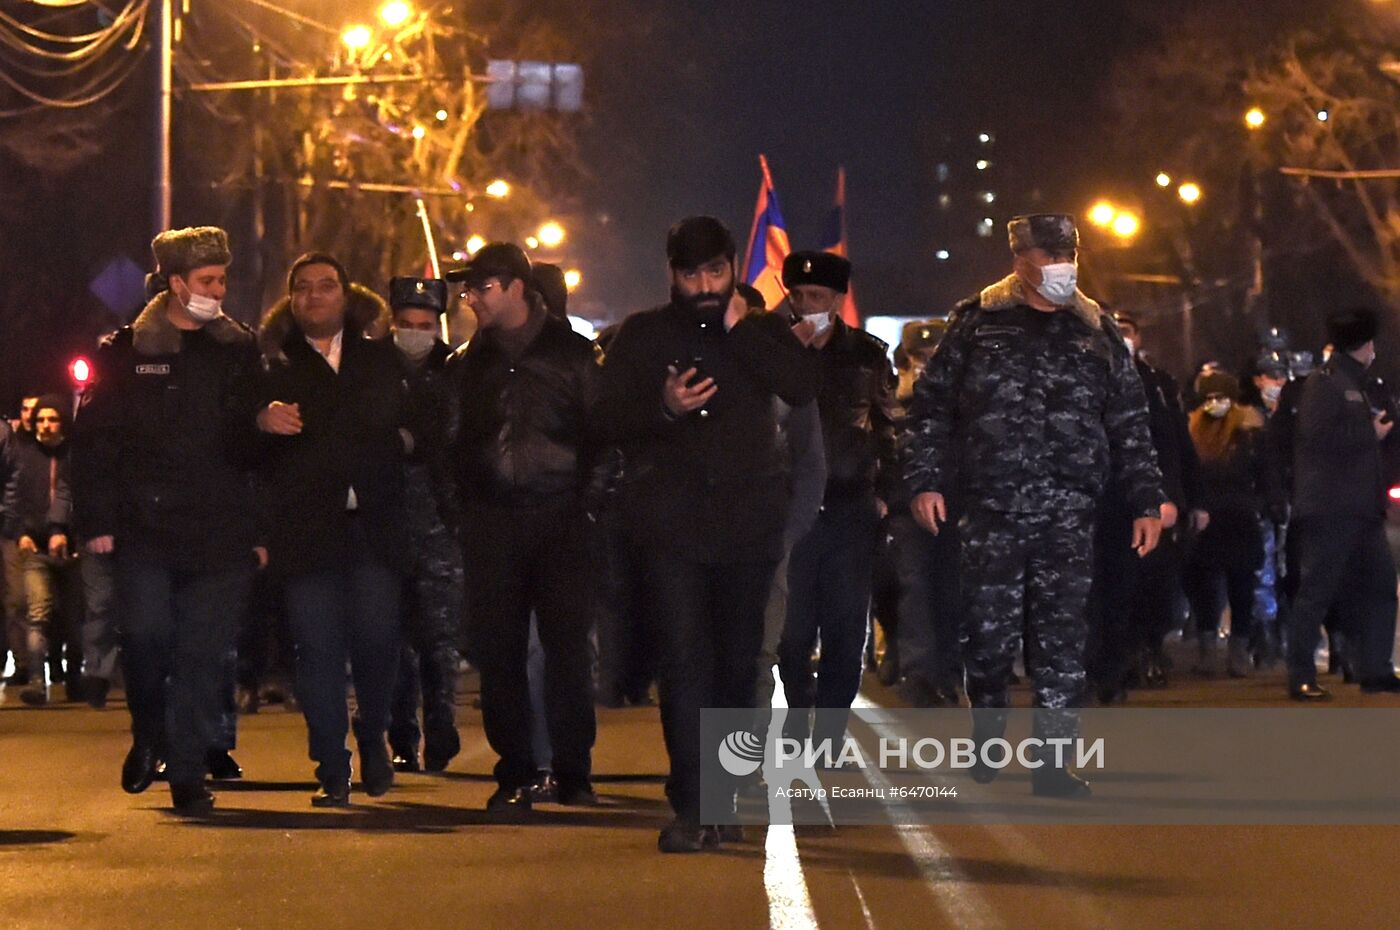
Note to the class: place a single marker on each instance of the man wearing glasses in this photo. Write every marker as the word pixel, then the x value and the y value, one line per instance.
pixel 524 388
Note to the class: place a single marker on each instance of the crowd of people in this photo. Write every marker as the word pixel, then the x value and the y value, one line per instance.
pixel 711 491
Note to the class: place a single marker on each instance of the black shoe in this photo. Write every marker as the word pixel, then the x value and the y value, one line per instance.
pixel 440 747
pixel 35 695
pixel 332 794
pixel 376 771
pixel 160 770
pixel 576 794
pixel 139 769
pixel 1050 782
pixel 222 766
pixel 74 691
pixel 679 836
pixel 544 789
pixel 916 693
pixel 1309 692
pixel 1389 685
pixel 512 801
pixel 406 761
pixel 95 692
pixel 191 798
pixel 19 677
pixel 730 832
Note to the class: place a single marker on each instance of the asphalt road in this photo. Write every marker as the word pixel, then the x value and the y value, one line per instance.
pixel 75 852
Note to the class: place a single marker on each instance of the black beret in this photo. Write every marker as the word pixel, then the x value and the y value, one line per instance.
pixel 1053 232
pixel 1352 328
pixel 424 293
pixel 821 268
pixel 696 240
pixel 494 260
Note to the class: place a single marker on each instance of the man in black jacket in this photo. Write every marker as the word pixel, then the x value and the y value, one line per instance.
pixel 339 432
pixel 830 573
pixel 687 392
pixel 1339 515
pixel 432 614
pixel 162 446
pixel 524 387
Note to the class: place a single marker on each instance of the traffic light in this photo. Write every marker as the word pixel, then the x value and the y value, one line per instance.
pixel 80 370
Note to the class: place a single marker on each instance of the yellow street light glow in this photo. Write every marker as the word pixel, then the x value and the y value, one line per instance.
pixel 441 116
pixel 395 13
pixel 1102 213
pixel 532 242
pixel 551 235
pixel 1126 225
pixel 474 244
pixel 573 278
pixel 1164 179
pixel 1254 118
pixel 1190 192
pixel 498 189
pixel 356 37
pixel 419 132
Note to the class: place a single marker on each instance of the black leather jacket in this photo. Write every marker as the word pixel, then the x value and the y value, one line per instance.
pixel 857 412
pixel 519 427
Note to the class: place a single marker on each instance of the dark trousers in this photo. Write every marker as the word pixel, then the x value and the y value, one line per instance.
pixel 626 646
pixel 1343 562
pixel 829 581
pixel 930 602
pixel 1027 576
pixel 709 623
pixel 1231 548
pixel 351 612
pixel 177 630
pixel 521 560
pixel 432 620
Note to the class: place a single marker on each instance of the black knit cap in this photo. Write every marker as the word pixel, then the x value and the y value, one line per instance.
pixel 820 268
pixel 1350 329
pixel 696 240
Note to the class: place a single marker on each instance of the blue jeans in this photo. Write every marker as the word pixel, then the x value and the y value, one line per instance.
pixel 350 613
pixel 100 626
pixel 177 630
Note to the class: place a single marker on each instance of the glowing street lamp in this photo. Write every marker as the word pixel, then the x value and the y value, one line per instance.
pixel 419 132
pixel 474 244
pixel 1254 118
pixel 1102 213
pixel 1126 225
pixel 356 37
pixel 1190 192
pixel 531 242
pixel 498 189
pixel 395 13
pixel 551 235
pixel 1164 179
pixel 573 278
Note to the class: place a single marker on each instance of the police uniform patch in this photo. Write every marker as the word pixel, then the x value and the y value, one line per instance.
pixel 153 369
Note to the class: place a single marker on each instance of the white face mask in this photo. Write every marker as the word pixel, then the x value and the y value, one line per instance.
pixel 1058 281
pixel 1132 346
pixel 1271 393
pixel 200 308
pixel 822 322
pixel 1217 407
pixel 415 343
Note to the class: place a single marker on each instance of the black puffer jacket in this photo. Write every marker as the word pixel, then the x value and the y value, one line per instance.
pixel 520 427
pixel 164 439
pixel 39 503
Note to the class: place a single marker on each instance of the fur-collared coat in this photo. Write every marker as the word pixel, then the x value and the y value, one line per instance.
pixel 165 437
pixel 357 433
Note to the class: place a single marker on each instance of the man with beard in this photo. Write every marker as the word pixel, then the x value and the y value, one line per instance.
pixel 687 392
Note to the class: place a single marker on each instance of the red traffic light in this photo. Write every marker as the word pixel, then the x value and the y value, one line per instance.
pixel 80 370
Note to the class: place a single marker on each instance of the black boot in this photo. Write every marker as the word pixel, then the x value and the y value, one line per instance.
pixel 191 798
pixel 987 724
pixel 139 769
pixel 222 766
pixel 1051 782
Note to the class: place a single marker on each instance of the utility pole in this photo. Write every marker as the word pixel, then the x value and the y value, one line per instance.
pixel 165 54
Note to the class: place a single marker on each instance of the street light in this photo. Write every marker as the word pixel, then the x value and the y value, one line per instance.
pixel 1126 225
pixel 395 13
pixel 551 235
pixel 498 189
pixel 1102 213
pixel 1323 116
pixel 1164 179
pixel 474 244
pixel 531 242
pixel 1190 192
pixel 419 132
pixel 356 37
pixel 441 116
pixel 573 278
pixel 1254 118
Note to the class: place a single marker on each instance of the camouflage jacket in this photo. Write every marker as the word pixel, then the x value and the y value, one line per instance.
pixel 1022 411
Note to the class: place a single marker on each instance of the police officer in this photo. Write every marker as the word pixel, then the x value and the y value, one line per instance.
pixel 1030 402
pixel 830 571
pixel 432 605
pixel 162 447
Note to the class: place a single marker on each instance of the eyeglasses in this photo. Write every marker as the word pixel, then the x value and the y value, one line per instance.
pixel 479 289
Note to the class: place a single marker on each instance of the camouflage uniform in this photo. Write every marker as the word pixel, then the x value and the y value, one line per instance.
pixel 1026 414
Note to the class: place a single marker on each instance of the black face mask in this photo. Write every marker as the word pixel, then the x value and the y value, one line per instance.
pixel 704 307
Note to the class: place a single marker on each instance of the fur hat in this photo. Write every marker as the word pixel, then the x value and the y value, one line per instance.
pixel 180 250
pixel 1217 382
pixel 1053 232
pixel 1350 329
pixel 821 268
